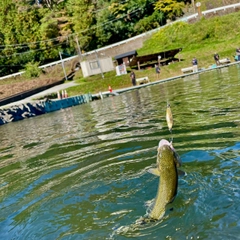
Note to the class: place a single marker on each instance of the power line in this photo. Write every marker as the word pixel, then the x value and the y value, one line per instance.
pixel 99 10
pixel 74 34
pixel 31 51
pixel 34 43
pixel 115 19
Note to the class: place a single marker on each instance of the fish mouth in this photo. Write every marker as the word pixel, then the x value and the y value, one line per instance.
pixel 165 142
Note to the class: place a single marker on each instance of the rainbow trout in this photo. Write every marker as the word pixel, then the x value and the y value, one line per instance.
pixel 167 163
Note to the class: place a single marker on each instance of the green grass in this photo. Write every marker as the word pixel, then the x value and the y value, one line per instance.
pixel 200 40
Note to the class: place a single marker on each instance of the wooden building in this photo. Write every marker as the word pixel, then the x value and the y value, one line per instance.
pixel 161 58
pixel 125 57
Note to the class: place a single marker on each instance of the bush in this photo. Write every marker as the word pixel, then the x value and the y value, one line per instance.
pixel 48 96
pixel 32 70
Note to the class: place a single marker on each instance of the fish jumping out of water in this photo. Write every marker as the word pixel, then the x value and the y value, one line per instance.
pixel 169 118
pixel 167 162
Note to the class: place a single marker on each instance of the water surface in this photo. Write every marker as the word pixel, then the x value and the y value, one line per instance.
pixel 81 173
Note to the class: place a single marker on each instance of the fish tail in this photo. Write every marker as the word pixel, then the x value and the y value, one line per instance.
pixel 134 226
pixel 145 220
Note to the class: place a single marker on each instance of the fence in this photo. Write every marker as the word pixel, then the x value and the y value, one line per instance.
pixel 193 17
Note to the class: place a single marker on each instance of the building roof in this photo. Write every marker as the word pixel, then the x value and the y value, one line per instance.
pixel 127 54
pixel 154 57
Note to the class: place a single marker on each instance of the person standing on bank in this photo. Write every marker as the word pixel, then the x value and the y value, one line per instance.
pixel 195 64
pixel 238 54
pixel 216 58
pixel 133 78
pixel 157 68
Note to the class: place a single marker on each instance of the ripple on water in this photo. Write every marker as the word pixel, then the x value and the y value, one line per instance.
pixel 81 173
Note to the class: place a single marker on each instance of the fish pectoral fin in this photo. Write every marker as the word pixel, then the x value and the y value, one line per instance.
pixel 181 173
pixel 177 159
pixel 154 171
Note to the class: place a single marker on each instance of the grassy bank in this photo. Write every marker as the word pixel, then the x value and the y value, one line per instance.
pixel 200 40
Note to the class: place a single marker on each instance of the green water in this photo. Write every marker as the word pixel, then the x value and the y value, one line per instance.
pixel 81 173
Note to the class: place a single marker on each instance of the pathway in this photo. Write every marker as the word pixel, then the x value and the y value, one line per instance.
pixel 54 89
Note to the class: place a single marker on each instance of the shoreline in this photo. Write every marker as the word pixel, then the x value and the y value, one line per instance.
pixel 28 107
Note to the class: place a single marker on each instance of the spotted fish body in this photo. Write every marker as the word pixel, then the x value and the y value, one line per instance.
pixel 168 182
pixel 167 163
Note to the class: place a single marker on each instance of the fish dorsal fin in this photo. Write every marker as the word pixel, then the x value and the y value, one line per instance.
pixel 154 171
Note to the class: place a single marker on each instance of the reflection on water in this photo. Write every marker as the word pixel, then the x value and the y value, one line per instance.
pixel 81 173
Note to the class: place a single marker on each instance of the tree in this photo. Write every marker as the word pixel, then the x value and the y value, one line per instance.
pixel 155 20
pixel 26 36
pixel 81 15
pixel 117 21
pixel 51 4
pixel 32 70
pixel 171 8
pixel 36 30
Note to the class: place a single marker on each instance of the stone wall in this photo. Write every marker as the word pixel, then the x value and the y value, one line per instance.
pixel 27 110
pixel 119 48
pixel 20 112
pixel 216 13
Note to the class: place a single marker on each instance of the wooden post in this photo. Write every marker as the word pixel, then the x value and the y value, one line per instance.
pixel 198 5
pixel 138 65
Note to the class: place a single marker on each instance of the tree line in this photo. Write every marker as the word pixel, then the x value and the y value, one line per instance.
pixel 35 31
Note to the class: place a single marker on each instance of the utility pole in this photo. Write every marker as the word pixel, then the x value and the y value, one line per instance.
pixel 79 49
pixel 65 75
pixel 99 63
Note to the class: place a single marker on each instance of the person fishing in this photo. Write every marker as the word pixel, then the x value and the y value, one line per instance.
pixel 133 78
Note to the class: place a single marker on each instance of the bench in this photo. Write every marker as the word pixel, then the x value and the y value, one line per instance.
pixel 142 80
pixel 224 61
pixel 190 69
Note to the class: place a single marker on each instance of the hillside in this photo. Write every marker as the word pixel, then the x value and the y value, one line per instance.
pixel 42 29
pixel 209 34
pixel 200 40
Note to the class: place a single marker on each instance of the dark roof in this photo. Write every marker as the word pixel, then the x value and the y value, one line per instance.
pixel 127 54
pixel 154 57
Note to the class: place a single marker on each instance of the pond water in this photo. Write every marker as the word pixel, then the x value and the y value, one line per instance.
pixel 81 173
